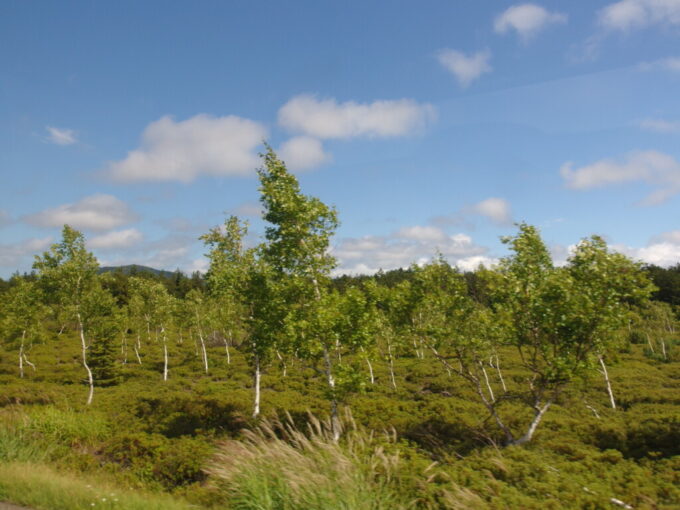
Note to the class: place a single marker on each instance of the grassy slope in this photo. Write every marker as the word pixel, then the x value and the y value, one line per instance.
pixel 144 434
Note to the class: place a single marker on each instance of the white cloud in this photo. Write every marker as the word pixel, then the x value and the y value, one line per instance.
pixel 327 118
pixel 415 244
pixel 5 218
pixel 527 20
pixel 651 167
pixel 96 212
pixel 12 255
pixel 184 150
pixel 672 237
pixel 116 239
pixel 671 64
pixel 660 125
pixel 662 250
pixel 61 136
pixel 420 233
pixel 495 209
pixel 628 15
pixel 465 68
pixel 253 209
pixel 201 265
pixel 302 153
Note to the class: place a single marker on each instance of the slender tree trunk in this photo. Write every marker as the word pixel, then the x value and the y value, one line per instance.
pixel 370 366
pixel 137 347
pixel 488 384
pixel 649 343
pixel 204 353
pixel 21 355
pixel 663 350
pixel 28 362
pixel 256 387
pixel 391 364
pixel 497 366
pixel 227 341
pixel 165 354
pixel 83 345
pixel 540 411
pixel 606 380
pixel 284 368
pixel 335 420
pixel 124 348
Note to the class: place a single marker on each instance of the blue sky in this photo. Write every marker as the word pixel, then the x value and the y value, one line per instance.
pixel 431 126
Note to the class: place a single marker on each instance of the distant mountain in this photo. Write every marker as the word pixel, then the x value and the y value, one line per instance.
pixel 134 268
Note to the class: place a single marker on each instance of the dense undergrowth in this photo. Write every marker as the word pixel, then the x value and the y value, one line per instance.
pixel 427 444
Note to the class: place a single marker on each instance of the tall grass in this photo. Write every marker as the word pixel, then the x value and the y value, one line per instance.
pixel 279 467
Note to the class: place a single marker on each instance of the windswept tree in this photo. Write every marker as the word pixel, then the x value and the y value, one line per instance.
pixel 240 286
pixel 561 319
pixel 297 249
pixel 68 275
pixel 23 316
pixel 151 307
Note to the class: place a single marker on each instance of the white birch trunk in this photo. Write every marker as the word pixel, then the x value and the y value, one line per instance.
pixel 649 343
pixel 83 345
pixel 256 387
pixel 165 354
pixel 533 425
pixel 204 353
pixel 370 366
pixel 284 367
pixel 335 420
pixel 606 380
pixel 497 366
pixel 137 347
pixel 391 364
pixel 488 384
pixel 227 341
pixel 21 354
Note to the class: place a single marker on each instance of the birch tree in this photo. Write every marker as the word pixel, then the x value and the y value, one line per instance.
pixel 561 319
pixel 297 248
pixel 23 317
pixel 68 273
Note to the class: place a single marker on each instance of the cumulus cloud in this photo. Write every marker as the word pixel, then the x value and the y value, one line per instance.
pixel 326 118
pixel 183 150
pixel 671 64
pixel 116 240
pixel 60 136
pixel 495 209
pixel 97 212
pixel 662 250
pixel 12 255
pixel 527 20
pixel 628 15
pixel 415 244
pixel 5 218
pixel 303 153
pixel 465 68
pixel 253 209
pixel 660 125
pixel 651 167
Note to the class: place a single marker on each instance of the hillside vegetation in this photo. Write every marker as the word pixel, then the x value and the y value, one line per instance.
pixel 266 384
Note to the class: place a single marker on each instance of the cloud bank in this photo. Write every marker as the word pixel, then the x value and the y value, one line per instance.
pixel 651 167
pixel 97 212
pixel 184 150
pixel 466 69
pixel 527 20
pixel 326 118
